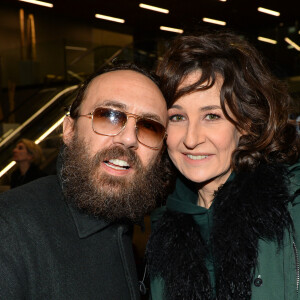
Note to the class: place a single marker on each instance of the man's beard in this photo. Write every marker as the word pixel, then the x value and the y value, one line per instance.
pixel 113 198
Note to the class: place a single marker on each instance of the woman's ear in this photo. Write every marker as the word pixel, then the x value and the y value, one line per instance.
pixel 68 129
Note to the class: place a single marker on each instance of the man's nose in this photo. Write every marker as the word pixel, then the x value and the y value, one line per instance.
pixel 127 137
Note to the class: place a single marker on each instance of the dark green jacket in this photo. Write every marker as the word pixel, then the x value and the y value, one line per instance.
pixel 49 250
pixel 277 271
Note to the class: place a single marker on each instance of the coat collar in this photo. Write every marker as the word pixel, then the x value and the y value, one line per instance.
pixel 251 207
pixel 87 225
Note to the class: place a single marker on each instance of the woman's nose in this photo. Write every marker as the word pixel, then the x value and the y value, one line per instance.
pixel 195 135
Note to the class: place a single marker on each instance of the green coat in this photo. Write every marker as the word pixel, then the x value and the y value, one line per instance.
pixel 277 272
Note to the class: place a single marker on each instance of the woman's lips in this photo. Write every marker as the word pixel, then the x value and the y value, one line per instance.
pixel 197 157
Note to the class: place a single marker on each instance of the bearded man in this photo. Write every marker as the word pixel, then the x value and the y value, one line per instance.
pixel 68 236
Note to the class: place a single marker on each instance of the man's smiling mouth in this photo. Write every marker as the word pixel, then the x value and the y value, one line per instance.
pixel 117 164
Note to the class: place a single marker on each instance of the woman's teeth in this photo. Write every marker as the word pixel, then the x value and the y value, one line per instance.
pixel 196 157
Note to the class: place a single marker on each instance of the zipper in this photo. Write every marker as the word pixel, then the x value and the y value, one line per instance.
pixel 297 266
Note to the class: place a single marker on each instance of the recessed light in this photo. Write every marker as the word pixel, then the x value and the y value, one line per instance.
pixel 42 3
pixel 213 21
pixel 269 11
pixel 154 8
pixel 289 41
pixel 266 40
pixel 165 28
pixel 109 18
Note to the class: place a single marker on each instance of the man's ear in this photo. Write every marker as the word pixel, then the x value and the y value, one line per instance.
pixel 68 129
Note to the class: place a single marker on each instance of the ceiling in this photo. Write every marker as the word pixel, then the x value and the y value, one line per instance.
pixel 240 15
pixel 187 14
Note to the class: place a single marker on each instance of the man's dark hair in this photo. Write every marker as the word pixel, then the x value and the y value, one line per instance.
pixel 258 101
pixel 117 66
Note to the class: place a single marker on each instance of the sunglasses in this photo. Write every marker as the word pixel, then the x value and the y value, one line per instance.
pixel 110 122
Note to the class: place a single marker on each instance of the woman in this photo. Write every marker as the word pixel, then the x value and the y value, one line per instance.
pixel 230 229
pixel 28 157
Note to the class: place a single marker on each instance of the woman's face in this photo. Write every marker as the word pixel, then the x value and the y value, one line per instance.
pixel 21 154
pixel 200 139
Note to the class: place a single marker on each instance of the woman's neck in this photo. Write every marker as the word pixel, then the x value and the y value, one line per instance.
pixel 24 166
pixel 207 190
pixel 205 197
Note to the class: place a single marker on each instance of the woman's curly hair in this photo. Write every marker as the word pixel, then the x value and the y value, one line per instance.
pixel 258 101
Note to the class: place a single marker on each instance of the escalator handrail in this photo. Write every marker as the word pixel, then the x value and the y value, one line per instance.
pixel 88 52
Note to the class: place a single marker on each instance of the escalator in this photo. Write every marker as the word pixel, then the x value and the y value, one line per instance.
pixel 43 127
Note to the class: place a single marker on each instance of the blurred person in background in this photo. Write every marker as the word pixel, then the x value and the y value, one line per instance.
pixel 28 157
pixel 231 228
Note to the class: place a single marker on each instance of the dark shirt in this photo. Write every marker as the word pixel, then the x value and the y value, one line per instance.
pixel 17 179
pixel 50 250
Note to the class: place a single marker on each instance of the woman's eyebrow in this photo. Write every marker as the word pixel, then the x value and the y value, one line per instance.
pixel 210 107
pixel 176 106
pixel 204 108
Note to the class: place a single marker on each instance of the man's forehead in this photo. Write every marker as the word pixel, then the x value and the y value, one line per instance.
pixel 121 77
pixel 128 88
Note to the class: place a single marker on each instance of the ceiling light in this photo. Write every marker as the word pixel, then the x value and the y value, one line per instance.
pixel 269 11
pixel 270 41
pixel 108 18
pixel 42 3
pixel 222 0
pixel 297 47
pixel 155 8
pixel 213 21
pixel 171 29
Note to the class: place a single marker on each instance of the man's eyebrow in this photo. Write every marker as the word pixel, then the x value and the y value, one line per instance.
pixel 116 104
pixel 151 116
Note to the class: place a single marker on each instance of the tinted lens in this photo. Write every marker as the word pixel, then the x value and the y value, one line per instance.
pixel 149 132
pixel 108 121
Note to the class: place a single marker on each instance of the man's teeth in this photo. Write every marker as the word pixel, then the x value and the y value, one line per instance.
pixel 195 157
pixel 117 164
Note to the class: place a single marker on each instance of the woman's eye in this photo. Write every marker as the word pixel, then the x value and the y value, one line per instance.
pixel 212 117
pixel 176 118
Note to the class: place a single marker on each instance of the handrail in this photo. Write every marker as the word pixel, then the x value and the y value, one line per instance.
pixel 42 109
pixel 107 61
pixel 88 52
